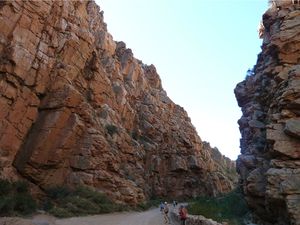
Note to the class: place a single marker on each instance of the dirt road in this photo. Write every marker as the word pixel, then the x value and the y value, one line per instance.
pixel 150 217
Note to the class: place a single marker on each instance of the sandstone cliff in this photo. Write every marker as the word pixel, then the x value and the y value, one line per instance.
pixel 78 108
pixel 270 102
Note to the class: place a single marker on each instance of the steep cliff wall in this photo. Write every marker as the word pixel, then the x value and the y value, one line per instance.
pixel 269 166
pixel 78 108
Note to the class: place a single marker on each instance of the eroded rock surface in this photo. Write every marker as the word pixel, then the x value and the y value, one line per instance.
pixel 270 101
pixel 78 108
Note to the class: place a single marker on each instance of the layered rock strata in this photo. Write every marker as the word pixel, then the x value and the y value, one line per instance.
pixel 78 108
pixel 269 166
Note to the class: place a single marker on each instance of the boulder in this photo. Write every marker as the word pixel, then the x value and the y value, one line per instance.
pixel 293 128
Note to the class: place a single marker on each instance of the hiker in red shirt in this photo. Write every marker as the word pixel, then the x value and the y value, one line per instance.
pixel 182 214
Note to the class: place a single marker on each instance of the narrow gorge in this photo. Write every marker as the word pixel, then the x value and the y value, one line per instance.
pixel 78 108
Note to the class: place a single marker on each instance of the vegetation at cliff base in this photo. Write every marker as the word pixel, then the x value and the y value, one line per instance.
pixel 15 199
pixel 81 201
pixel 231 208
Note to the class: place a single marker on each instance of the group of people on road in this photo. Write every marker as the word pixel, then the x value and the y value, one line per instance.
pixel 165 208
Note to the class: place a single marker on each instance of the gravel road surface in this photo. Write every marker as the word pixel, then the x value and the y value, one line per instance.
pixel 150 217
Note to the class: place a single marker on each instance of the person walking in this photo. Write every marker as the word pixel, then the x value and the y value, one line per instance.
pixel 167 209
pixel 182 214
pixel 161 208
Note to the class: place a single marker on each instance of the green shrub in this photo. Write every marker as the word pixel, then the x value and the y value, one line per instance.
pixel 130 177
pixel 111 129
pixel 106 208
pixel 83 204
pixel 120 208
pixel 59 192
pixel 24 203
pixel 100 199
pixel 5 187
pixel 143 206
pixel 48 204
pixel 156 202
pixel 137 209
pixel 135 135
pixel 231 208
pixel 16 200
pixel 78 202
pixel 208 210
pixel 60 213
pixel 86 205
pixel 234 206
pixel 6 206
pixel 74 210
pixel 202 198
pixel 83 191
pixel 21 186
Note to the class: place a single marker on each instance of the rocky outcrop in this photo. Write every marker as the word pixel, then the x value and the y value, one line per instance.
pixel 269 98
pixel 78 108
pixel 224 167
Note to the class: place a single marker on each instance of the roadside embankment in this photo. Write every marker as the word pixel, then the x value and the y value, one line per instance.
pixel 195 220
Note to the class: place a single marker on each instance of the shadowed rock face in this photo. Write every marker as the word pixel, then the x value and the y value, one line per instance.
pixel 269 166
pixel 78 108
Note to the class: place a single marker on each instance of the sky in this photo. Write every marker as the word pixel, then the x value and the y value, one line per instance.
pixel 201 50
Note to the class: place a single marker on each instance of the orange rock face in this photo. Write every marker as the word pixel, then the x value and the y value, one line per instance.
pixel 78 108
pixel 270 144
